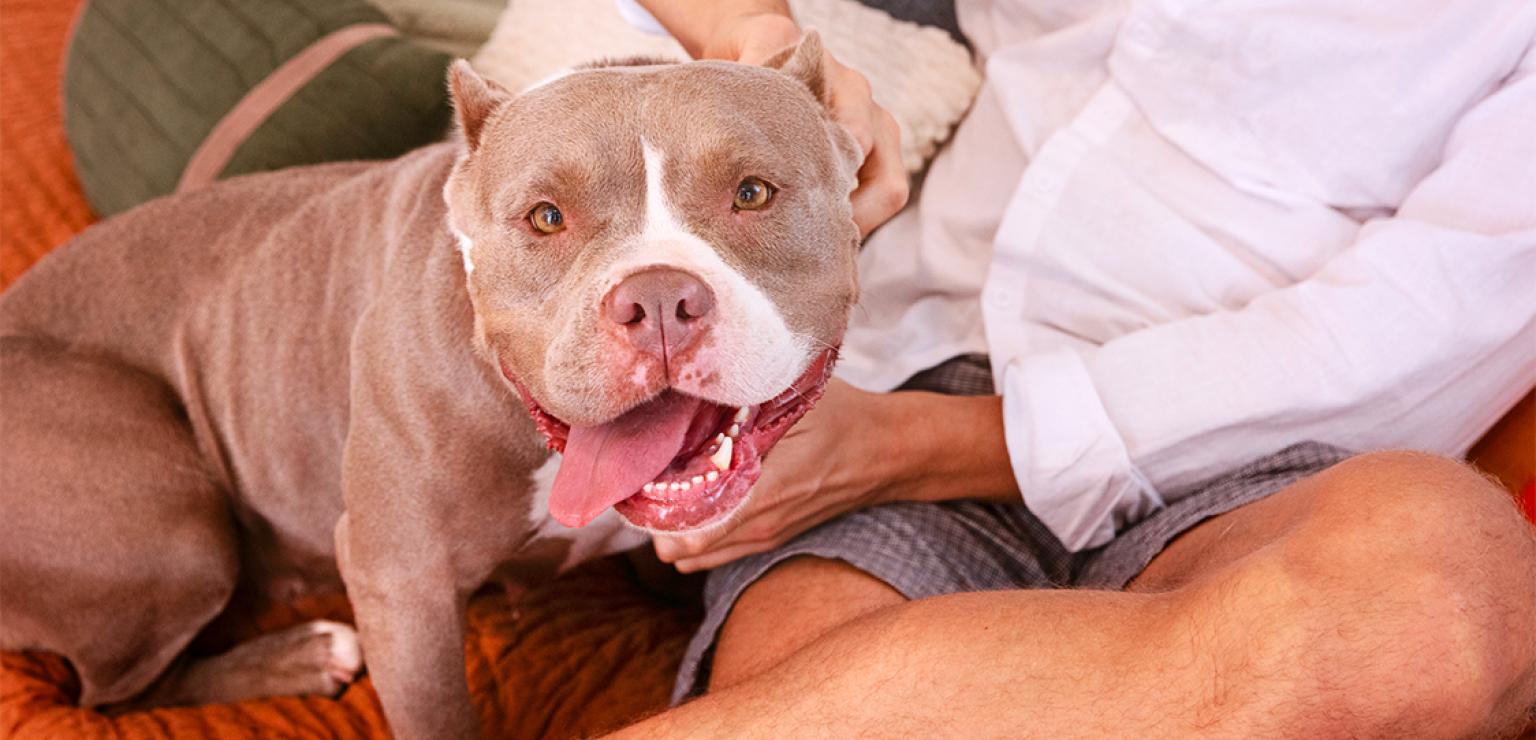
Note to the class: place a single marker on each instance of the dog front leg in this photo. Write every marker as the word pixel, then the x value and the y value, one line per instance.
pixel 410 617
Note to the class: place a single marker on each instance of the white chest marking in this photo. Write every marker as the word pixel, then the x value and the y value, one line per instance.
pixel 465 245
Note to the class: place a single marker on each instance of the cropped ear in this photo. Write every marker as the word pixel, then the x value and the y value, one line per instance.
pixel 804 62
pixel 474 99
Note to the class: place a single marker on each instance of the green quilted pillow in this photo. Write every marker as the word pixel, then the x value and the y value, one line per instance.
pixel 167 96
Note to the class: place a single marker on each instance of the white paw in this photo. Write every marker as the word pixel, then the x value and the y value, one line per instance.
pixel 344 658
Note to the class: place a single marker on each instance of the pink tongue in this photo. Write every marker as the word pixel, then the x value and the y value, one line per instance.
pixel 608 463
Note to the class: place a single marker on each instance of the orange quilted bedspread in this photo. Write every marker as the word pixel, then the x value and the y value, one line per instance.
pixel 577 657
pixel 40 200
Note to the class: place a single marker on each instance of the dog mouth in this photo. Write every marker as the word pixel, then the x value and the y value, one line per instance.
pixel 675 462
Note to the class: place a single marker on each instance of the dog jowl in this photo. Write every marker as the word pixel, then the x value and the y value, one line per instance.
pixel 662 260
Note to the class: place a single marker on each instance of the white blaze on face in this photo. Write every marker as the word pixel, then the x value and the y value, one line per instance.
pixel 608 533
pixel 465 245
pixel 751 350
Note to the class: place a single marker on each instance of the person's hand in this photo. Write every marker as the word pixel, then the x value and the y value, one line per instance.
pixel 857 449
pixel 834 460
pixel 752 38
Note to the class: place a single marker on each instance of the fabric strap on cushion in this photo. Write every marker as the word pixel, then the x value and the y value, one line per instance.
pixel 232 130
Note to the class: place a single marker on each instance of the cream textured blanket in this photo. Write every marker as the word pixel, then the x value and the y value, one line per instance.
pixel 919 73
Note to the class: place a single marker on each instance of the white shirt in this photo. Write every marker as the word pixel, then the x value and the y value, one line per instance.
pixel 1191 233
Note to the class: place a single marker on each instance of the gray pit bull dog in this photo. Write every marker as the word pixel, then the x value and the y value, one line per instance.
pixel 352 374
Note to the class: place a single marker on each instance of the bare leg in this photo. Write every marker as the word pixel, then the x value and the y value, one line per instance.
pixel 766 626
pixel 1394 594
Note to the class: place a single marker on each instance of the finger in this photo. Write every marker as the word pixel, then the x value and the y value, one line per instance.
pixel 667 551
pixel 759 536
pixel 883 185
pixel 757 520
pixel 758 37
pixel 717 558
pixel 754 532
pixel 853 106
pixel 671 548
pixel 763 523
pixel 755 540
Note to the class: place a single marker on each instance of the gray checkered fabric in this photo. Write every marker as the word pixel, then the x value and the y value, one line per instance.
pixel 966 375
pixel 925 550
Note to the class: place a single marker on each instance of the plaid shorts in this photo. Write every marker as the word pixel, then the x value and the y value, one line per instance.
pixel 924 550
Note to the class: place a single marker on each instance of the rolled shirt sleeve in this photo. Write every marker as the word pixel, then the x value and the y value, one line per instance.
pixel 1418 334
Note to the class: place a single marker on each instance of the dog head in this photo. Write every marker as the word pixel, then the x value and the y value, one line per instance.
pixel 661 259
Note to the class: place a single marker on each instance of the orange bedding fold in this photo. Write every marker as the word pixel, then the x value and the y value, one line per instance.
pixel 573 658
pixel 41 204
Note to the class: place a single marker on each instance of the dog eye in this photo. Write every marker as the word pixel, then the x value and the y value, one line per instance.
pixel 546 218
pixel 752 194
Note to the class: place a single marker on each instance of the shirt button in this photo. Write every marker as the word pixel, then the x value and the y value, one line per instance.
pixel 1043 180
pixel 1140 33
pixel 1038 187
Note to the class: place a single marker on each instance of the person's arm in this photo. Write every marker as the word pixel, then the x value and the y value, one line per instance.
pixel 1418 336
pixel 702 26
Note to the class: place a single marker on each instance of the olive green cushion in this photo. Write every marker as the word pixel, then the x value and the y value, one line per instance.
pixel 146 82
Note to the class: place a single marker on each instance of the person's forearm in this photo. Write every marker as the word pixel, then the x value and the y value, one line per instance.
pixel 950 447
pixel 692 22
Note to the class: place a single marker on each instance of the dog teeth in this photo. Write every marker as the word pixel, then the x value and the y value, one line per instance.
pixel 741 416
pixel 721 459
pixel 722 456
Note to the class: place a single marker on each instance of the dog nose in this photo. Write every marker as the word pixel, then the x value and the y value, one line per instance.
pixel 661 309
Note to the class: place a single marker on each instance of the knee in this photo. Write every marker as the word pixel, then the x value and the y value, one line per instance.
pixel 1457 647
pixel 1395 511
pixel 1412 598
pixel 1411 477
